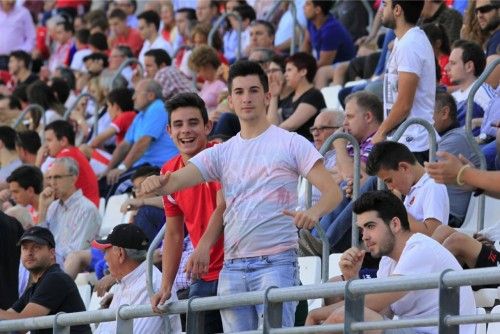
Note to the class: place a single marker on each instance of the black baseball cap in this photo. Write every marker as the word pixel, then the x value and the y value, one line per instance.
pixel 124 235
pixel 40 235
pixel 97 56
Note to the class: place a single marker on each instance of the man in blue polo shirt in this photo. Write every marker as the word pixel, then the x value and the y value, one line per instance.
pixel 325 37
pixel 146 141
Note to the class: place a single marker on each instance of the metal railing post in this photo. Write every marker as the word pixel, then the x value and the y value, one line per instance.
pixel 195 319
pixel 149 260
pixel 354 310
pixel 23 113
pixel 293 11
pixel 58 329
pixel 219 22
pixel 123 326
pixel 470 138
pixel 273 312
pixel 123 65
pixel 96 110
pixel 449 304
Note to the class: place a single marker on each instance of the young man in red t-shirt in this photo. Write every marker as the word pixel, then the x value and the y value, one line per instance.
pixel 59 143
pixel 122 34
pixel 193 207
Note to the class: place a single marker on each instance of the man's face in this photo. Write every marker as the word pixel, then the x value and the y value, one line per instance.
pixel 6 113
pixel 150 67
pixel 15 66
pixel 53 144
pixel 59 179
pixel 125 5
pixel 487 15
pixel 309 12
pixel 20 195
pixel 321 130
pixel 94 66
pixel 400 179
pixel 377 236
pixel 260 37
pixel 117 26
pixel 112 256
pixel 35 257
pixel 116 58
pixel 181 21
pixel 188 131
pixel 439 118
pixel 355 121
pixel 388 20
pixel 456 67
pixel 145 29
pixel 248 98
pixel 204 12
pixel 62 36
pixel 142 98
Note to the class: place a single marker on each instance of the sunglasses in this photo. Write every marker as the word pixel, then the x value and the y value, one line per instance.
pixel 485 9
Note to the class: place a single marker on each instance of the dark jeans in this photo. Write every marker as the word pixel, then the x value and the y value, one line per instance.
pixel 201 288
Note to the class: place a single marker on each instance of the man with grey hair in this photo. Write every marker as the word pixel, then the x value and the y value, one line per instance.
pixel 146 140
pixel 71 217
pixel 125 252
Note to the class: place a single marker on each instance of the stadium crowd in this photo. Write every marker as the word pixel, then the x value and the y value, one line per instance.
pixel 213 130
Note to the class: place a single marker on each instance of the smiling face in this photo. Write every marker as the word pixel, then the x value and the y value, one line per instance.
pixel 248 98
pixel 188 131
pixel 376 234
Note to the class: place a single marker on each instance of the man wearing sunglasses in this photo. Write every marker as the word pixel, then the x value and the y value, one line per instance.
pixel 488 17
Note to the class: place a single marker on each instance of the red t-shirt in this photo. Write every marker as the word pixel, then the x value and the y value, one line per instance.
pixel 443 61
pixel 122 123
pixel 133 40
pixel 196 204
pixel 87 180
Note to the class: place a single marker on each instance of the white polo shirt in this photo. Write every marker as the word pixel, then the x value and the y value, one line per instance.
pixel 427 199
pixel 159 43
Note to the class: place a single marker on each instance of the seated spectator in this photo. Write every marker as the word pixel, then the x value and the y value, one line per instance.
pixel 489 130
pixel 261 36
pixel 386 233
pixel 154 61
pixel 355 24
pixel 149 25
pixel 125 251
pixel 59 143
pixel 230 38
pixel 10 109
pixel 286 26
pixel 64 42
pixel 123 34
pixel 53 291
pixel 173 82
pixel 205 62
pixel 453 139
pixel 129 7
pixel 119 54
pixel 169 30
pixel 298 110
pixel 207 11
pixel 437 12
pixel 82 50
pixel 25 185
pixel 69 215
pixel 9 159
pixel 27 145
pixel 439 41
pixel 20 68
pixel 488 14
pixel 40 93
pixel 185 20
pixel 146 141
pixel 95 63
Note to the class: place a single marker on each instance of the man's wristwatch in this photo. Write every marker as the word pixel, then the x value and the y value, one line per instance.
pixel 122 167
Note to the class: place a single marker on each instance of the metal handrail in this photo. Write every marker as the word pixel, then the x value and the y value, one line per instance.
pixel 470 138
pixel 149 260
pixel 219 22
pixel 96 110
pixel 126 63
pixel 428 126
pixel 369 11
pixel 293 11
pixel 444 281
pixel 26 110
pixel 355 191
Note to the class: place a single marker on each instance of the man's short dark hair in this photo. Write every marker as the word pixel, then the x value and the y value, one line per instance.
pixel 68 76
pixel 14 102
pixel 82 35
pixel 472 52
pixel 369 102
pixel 60 88
pixel 190 13
pixel 411 9
pixel 385 203
pixel 62 129
pixel 303 60
pixel 122 97
pixel 23 56
pixel 29 140
pixel 271 31
pixel 27 176
pixel 186 100
pixel 445 99
pixel 325 5
pixel 146 171
pixel 8 137
pixel 117 13
pixel 387 155
pixel 242 68
pixel 68 26
pixel 246 12
pixel 99 41
pixel 160 57
pixel 151 17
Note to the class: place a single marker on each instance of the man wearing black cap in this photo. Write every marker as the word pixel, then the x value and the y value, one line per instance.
pixel 51 291
pixel 125 250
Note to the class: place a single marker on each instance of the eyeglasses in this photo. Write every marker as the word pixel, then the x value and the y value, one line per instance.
pixel 484 9
pixel 322 128
pixel 57 177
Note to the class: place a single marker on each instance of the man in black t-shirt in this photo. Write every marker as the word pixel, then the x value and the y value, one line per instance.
pixel 52 291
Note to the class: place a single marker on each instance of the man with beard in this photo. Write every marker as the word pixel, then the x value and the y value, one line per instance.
pixel 488 19
pixel 410 78
pixel 385 228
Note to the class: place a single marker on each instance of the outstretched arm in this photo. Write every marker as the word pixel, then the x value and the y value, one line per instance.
pixel 169 183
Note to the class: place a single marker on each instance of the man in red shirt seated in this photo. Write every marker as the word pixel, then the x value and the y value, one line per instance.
pixel 122 34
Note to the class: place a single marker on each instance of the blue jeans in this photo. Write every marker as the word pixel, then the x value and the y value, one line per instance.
pixel 257 274
pixel 201 288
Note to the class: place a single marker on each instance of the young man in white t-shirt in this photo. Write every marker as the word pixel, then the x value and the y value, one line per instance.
pixel 410 78
pixel 258 169
pixel 386 233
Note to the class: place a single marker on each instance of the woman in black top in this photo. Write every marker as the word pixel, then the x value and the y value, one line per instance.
pixel 297 111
